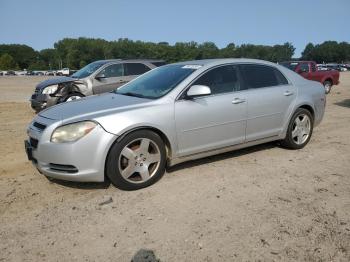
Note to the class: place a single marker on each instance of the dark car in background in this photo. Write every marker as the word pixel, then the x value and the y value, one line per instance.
pixel 95 78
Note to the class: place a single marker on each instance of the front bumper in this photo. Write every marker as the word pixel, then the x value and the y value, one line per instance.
pixel 41 101
pixel 83 160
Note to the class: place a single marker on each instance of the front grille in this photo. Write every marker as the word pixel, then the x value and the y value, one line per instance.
pixel 39 126
pixel 63 168
pixel 33 142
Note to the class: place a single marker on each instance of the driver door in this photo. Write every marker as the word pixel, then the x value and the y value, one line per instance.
pixel 109 78
pixel 212 121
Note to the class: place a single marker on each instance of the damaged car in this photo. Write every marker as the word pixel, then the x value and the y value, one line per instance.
pixel 97 77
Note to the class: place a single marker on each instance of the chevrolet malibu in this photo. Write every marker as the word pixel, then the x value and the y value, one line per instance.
pixel 172 114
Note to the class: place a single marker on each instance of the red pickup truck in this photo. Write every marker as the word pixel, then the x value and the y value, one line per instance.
pixel 308 70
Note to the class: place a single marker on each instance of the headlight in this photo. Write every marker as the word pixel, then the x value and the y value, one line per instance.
pixel 72 132
pixel 50 89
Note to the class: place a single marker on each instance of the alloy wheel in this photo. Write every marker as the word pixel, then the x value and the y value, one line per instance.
pixel 301 129
pixel 139 160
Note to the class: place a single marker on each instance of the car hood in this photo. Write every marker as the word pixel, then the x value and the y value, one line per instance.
pixel 92 107
pixel 55 81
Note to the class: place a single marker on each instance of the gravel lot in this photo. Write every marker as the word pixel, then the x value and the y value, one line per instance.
pixel 264 203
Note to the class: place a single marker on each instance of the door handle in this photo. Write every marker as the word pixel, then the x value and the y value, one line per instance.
pixel 288 93
pixel 238 101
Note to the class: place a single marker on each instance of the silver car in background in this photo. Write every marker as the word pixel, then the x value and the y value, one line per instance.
pixel 95 78
pixel 172 114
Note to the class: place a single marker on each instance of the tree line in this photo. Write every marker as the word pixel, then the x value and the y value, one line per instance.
pixel 75 53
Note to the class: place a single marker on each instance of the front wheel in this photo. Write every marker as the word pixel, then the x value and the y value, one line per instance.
pixel 137 161
pixel 327 86
pixel 72 97
pixel 299 129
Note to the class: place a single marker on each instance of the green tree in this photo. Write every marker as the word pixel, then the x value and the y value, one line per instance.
pixel 22 54
pixel 307 54
pixel 7 62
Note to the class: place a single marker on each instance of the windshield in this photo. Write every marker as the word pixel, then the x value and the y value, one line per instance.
pixel 290 65
pixel 89 69
pixel 157 82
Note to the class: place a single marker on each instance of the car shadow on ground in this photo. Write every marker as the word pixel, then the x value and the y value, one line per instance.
pixel 81 185
pixel 223 156
pixel 344 103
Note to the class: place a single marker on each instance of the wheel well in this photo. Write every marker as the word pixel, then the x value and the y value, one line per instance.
pixel 310 109
pixel 328 79
pixel 155 130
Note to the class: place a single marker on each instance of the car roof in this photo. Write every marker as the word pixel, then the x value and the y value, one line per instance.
pixel 297 61
pixel 213 62
pixel 130 60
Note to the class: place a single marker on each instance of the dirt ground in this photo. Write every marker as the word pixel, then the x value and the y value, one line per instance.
pixel 264 203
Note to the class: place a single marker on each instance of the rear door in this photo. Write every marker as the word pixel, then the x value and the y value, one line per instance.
pixel 214 121
pixel 270 98
pixel 108 79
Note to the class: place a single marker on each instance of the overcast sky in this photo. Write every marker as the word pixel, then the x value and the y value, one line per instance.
pixel 41 23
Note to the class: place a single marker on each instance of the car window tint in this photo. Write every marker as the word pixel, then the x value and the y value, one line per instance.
pixel 220 80
pixel 135 69
pixel 304 67
pixel 257 76
pixel 280 77
pixel 115 70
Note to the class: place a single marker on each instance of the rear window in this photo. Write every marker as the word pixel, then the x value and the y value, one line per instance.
pixel 290 65
pixel 131 69
pixel 258 76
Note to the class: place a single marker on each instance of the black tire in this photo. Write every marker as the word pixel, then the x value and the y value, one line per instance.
pixel 289 142
pixel 327 86
pixel 112 168
pixel 70 95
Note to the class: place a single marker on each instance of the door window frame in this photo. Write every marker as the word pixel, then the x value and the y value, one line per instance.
pixel 181 96
pixel 107 65
pixel 270 66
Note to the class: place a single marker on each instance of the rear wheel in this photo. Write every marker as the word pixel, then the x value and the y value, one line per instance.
pixel 299 129
pixel 327 86
pixel 137 161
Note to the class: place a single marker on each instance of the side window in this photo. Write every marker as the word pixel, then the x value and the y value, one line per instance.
pixel 280 77
pixel 304 67
pixel 114 70
pixel 220 80
pixel 257 76
pixel 313 67
pixel 132 69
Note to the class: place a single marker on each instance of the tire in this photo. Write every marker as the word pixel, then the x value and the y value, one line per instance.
pixel 72 97
pixel 327 86
pixel 137 161
pixel 299 129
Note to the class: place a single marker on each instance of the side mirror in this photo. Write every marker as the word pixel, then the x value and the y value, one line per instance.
pixel 99 77
pixel 198 90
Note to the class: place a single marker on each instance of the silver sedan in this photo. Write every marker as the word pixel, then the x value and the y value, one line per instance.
pixel 172 114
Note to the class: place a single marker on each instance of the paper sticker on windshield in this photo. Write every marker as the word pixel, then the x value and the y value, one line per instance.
pixel 192 66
